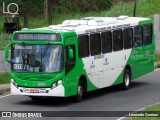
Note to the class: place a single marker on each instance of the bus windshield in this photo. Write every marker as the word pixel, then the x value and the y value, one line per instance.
pixel 37 58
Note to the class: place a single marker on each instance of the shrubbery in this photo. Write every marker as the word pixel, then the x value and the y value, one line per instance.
pixel 80 5
pixel 36 7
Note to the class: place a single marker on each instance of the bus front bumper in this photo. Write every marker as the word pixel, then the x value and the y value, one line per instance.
pixel 57 92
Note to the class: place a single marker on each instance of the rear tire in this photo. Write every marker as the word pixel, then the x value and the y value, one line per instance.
pixel 126 80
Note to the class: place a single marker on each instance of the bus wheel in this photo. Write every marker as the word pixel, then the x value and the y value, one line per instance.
pixel 126 80
pixel 80 90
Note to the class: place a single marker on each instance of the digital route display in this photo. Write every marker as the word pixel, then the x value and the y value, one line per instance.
pixel 37 36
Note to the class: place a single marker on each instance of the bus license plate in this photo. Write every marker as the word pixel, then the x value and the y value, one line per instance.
pixel 34 90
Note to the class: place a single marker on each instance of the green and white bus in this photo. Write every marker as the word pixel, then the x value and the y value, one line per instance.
pixel 80 55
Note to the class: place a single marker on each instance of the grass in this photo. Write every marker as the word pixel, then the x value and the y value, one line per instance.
pixel 157 58
pixel 4 78
pixel 152 108
pixel 4 40
pixel 145 8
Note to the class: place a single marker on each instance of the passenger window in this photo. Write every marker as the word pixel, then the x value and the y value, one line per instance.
pixel 117 40
pixel 83 46
pixel 106 42
pixel 147 34
pixel 138 36
pixel 128 38
pixel 95 44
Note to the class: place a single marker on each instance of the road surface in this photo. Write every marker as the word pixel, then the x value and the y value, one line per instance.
pixel 144 91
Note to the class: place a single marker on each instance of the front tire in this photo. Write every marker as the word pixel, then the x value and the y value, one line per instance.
pixel 80 91
pixel 126 80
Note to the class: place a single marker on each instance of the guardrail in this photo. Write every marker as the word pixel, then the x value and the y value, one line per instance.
pixel 4 66
pixel 157 32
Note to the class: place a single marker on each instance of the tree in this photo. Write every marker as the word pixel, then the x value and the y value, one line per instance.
pixel 47 11
pixel 26 13
pixel 28 7
pixel 134 11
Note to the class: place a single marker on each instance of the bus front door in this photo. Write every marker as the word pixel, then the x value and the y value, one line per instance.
pixel 71 66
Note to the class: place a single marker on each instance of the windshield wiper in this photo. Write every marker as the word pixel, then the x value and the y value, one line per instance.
pixel 24 56
pixel 43 55
pixel 41 67
pixel 46 49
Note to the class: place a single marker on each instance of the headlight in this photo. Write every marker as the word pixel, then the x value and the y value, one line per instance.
pixel 56 84
pixel 14 83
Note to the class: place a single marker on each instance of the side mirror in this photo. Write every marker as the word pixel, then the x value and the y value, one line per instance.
pixel 70 53
pixel 6 55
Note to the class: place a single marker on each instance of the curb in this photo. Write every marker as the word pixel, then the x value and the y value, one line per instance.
pixel 4 88
pixel 157 65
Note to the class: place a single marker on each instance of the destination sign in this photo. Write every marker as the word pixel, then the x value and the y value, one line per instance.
pixel 37 36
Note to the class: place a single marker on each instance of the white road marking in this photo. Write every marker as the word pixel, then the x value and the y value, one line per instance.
pixel 121 118
pixel 5 96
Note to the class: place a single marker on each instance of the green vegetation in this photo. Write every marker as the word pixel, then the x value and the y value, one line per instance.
pixel 61 6
pixel 145 8
pixel 4 40
pixel 157 58
pixel 69 6
pixel 4 78
pixel 152 108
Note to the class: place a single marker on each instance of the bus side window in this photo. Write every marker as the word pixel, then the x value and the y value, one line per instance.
pixel 106 42
pixel 117 40
pixel 83 46
pixel 138 39
pixel 147 34
pixel 70 57
pixel 128 38
pixel 95 44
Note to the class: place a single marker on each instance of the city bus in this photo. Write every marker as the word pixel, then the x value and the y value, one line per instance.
pixel 80 55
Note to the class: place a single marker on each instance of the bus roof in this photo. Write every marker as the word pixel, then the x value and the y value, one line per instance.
pixel 94 24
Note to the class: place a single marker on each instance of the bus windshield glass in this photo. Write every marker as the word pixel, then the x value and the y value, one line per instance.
pixel 37 58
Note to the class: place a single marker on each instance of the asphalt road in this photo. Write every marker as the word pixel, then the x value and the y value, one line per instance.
pixel 143 92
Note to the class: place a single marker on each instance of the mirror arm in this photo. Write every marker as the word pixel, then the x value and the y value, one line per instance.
pixel 7 53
